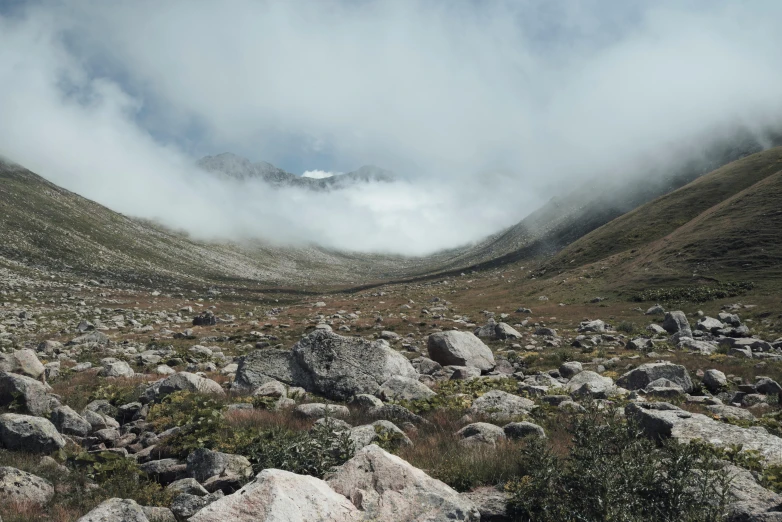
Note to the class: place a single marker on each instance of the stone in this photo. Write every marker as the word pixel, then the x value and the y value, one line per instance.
pixel 730 412
pixel 185 505
pixel 387 488
pixel 116 510
pixel 164 471
pixel 676 323
pixel 641 344
pixel 22 362
pixel 715 380
pixel 656 329
pixel 328 364
pixel 596 326
pixel 640 377
pixel 460 349
pixel 21 487
pixel 280 496
pixel 661 420
pixel 68 422
pixel 480 433
pixel 505 331
pixel 663 389
pixel 27 394
pixel 405 388
pixel 655 310
pixel 768 386
pixel 491 503
pixel 592 384
pixel 27 433
pixel 182 381
pixel 709 324
pixel 382 429
pixel 317 410
pixel 203 464
pixel 500 405
pixel 187 485
pixel 158 514
pixel 569 369
pixel 271 389
pixel 464 373
pixel 522 430
pixel 116 369
pixel 92 337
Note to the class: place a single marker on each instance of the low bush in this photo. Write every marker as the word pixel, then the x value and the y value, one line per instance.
pixel 611 472
pixel 695 294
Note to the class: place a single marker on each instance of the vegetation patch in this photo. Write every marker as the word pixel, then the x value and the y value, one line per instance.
pixel 695 294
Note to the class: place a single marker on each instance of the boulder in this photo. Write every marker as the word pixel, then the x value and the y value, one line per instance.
pixel 663 420
pixel 22 362
pixel 405 388
pixel 768 386
pixel 714 380
pixel 27 394
pixel 22 487
pixel 68 422
pixel 709 324
pixel 460 349
pixel 596 326
pixel 182 381
pixel 203 464
pixel 317 410
pixel 640 377
pixel 326 363
pixel 663 389
pixel 491 502
pixel 116 510
pixel 592 384
pixel 506 331
pixel 116 369
pixel 340 367
pixel 480 433
pixel 281 496
pixel 522 430
pixel 90 338
pixel 569 369
pixel 185 505
pixel 641 344
pixel 656 309
pixel 382 429
pixel 31 434
pixel 387 488
pixel 676 323
pixel 164 471
pixel 271 389
pixel 500 405
pixel 187 485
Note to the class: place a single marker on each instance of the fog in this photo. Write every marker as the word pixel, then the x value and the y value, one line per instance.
pixel 485 109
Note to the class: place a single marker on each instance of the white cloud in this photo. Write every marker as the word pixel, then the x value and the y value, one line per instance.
pixel 319 174
pixel 487 107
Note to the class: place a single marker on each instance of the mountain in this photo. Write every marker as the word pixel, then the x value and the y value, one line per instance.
pixel 46 228
pixel 233 167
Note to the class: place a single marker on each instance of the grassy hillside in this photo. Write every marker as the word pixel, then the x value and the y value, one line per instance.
pixel 45 226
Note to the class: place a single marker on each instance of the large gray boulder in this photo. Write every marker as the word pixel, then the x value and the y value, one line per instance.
pixel 457 348
pixel 405 388
pixel 116 510
pixel 203 464
pixel 480 433
pixel 662 420
pixel 27 394
pixel 182 381
pixel 68 422
pixel 21 487
pixel 500 405
pixel 281 496
pixel 262 366
pixel 387 488
pixel 591 384
pixel 715 380
pixel 328 364
pixel 341 367
pixel 27 433
pixel 23 362
pixel 676 323
pixel 116 368
pixel 370 433
pixel 640 377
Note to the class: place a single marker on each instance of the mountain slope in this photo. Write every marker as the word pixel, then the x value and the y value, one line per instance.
pixel 49 227
pixel 666 214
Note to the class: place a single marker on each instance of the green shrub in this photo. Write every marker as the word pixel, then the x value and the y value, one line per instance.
pixel 611 472
pixel 199 416
pixel 312 452
pixel 626 327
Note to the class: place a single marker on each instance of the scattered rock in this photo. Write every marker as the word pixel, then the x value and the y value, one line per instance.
pixel 460 349
pixel 31 434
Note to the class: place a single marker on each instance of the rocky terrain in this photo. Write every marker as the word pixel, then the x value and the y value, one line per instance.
pixel 147 377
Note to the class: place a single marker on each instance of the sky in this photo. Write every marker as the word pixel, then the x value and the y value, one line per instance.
pixel 485 109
